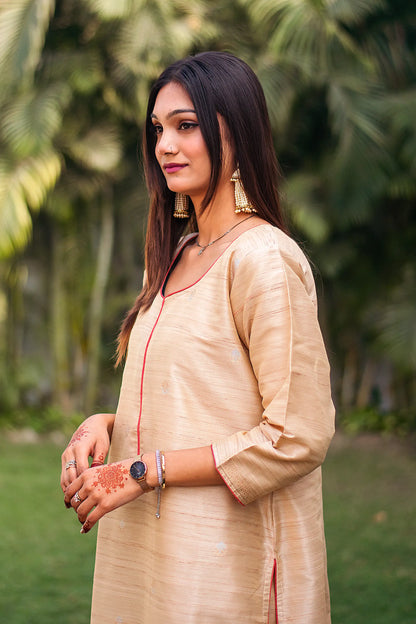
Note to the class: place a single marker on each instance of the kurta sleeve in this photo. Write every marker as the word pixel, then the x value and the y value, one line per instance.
pixel 273 302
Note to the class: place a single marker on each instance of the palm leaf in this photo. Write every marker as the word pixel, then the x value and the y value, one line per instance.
pixel 23 187
pixel 99 149
pixel 110 10
pixel 360 165
pixel 82 70
pixel 361 109
pixel 30 122
pixel 280 83
pixel 309 33
pixel 353 12
pixel 396 323
pixel 303 193
pixel 23 24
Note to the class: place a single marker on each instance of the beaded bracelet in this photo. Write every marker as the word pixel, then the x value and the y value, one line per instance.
pixel 160 467
pixel 163 470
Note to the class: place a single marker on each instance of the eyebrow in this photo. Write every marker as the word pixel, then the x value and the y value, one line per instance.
pixel 177 111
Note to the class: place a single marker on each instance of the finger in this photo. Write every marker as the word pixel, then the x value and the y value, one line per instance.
pixel 85 508
pixel 64 458
pixel 69 472
pixel 99 457
pixel 70 490
pixel 77 500
pixel 92 519
pixel 81 455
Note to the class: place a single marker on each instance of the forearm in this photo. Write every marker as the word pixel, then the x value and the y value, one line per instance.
pixel 188 467
pixel 99 490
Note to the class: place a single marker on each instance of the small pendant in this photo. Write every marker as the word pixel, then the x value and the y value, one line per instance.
pixel 200 252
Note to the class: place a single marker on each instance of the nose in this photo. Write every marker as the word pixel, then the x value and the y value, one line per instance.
pixel 166 144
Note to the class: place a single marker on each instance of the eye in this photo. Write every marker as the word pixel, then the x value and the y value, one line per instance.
pixel 157 128
pixel 188 125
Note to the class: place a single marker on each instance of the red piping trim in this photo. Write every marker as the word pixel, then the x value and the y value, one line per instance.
pixel 186 241
pixel 275 591
pixel 225 482
pixel 273 580
pixel 141 382
pixel 150 337
pixel 164 297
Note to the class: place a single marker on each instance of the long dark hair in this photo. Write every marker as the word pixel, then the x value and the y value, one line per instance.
pixel 216 82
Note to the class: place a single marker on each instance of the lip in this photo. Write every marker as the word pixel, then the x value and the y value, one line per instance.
pixel 173 167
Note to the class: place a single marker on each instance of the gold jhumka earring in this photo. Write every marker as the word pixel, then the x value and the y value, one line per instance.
pixel 181 210
pixel 242 203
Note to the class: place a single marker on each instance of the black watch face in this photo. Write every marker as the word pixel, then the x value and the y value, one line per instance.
pixel 138 470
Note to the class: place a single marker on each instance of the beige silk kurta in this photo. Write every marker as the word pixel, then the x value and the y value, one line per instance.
pixel 237 361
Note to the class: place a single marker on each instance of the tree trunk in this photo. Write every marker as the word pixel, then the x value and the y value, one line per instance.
pixel 349 378
pixel 366 385
pixel 104 254
pixel 15 275
pixel 59 326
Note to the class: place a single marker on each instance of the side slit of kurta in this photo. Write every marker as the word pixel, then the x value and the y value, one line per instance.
pixel 273 615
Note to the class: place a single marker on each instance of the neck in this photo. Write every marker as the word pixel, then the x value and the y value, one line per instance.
pixel 218 216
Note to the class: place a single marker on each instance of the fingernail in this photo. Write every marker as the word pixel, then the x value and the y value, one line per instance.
pixel 67 505
pixel 84 529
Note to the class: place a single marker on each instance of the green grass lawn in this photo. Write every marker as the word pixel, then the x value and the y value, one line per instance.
pixel 370 509
pixel 46 565
pixel 370 516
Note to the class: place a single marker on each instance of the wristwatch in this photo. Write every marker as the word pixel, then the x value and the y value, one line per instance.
pixel 138 470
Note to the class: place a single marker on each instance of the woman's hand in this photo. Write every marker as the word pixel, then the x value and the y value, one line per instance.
pixel 91 439
pixel 100 490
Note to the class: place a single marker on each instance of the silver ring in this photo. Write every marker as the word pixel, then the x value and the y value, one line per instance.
pixel 77 498
pixel 72 462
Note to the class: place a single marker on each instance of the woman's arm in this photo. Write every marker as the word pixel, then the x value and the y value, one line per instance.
pixel 274 308
pixel 275 315
pixel 188 467
pixel 100 490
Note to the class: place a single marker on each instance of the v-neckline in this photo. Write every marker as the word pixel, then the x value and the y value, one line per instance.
pixel 185 242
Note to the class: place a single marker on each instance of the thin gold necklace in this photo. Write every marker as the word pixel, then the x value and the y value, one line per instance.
pixel 203 247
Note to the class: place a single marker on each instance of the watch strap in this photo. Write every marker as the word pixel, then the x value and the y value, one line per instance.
pixel 144 485
pixel 142 482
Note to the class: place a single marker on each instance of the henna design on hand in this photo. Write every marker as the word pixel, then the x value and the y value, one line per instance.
pixel 111 477
pixel 98 461
pixel 86 527
pixel 80 433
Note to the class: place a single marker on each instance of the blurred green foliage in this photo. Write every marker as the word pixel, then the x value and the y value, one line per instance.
pixel 339 79
pixel 41 420
pixel 373 420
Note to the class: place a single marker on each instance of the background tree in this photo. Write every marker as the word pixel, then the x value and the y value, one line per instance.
pixel 346 140
pixel 340 82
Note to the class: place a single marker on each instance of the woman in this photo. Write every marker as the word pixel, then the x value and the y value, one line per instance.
pixel 225 396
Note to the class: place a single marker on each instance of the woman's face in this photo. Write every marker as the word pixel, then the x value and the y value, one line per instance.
pixel 180 148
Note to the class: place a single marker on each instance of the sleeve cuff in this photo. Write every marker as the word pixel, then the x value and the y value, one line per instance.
pixel 225 478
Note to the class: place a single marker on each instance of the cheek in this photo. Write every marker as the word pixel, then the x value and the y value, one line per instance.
pixel 158 156
pixel 156 149
pixel 200 151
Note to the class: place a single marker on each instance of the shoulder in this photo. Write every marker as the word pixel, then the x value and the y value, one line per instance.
pixel 265 252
